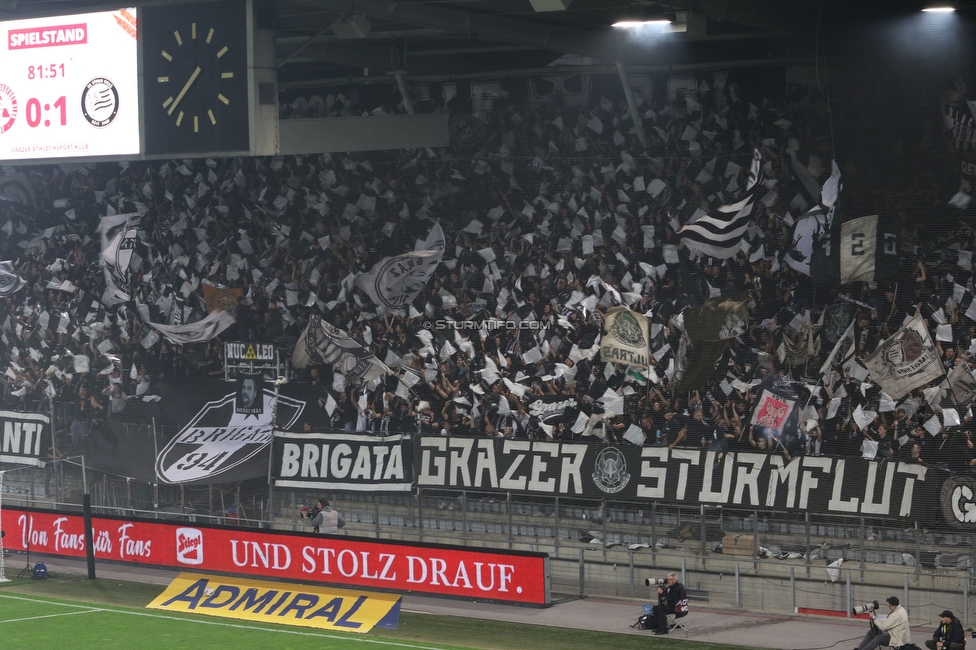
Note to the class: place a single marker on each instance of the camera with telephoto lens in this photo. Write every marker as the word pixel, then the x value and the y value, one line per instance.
pixel 865 608
pixel 309 513
pixel 659 582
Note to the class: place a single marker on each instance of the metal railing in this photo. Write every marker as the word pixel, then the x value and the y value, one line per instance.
pixel 603 547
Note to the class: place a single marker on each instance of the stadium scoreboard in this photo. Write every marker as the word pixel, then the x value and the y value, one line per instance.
pixel 137 83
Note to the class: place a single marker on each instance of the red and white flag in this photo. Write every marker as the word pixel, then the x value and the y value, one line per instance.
pixel 773 411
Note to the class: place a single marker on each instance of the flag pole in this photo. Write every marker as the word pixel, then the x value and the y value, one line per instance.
pixel 892 310
pixel 815 386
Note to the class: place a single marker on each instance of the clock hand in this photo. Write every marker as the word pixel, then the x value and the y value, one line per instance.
pixel 186 87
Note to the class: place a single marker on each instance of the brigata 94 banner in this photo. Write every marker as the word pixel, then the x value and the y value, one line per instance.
pixel 483 574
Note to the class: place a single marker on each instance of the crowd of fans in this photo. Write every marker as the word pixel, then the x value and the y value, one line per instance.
pixel 292 233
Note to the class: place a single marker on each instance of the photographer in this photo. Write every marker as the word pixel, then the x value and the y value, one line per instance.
pixel 949 635
pixel 891 631
pixel 671 599
pixel 323 519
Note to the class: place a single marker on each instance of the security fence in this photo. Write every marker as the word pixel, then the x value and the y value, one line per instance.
pixel 728 558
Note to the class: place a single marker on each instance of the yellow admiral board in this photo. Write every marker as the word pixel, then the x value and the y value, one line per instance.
pixel 280 602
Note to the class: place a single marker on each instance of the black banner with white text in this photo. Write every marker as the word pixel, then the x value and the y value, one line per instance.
pixel 201 431
pixel 680 476
pixel 336 461
pixel 25 437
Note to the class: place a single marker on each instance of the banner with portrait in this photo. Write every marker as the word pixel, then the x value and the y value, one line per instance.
pixel 250 385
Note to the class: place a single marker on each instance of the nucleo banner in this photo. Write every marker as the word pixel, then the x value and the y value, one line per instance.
pixel 482 574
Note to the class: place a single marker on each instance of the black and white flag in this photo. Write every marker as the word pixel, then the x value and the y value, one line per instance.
pixel 250 388
pixel 721 236
pixel 322 343
pixel 813 226
pixel 24 437
pixel 960 122
pixel 119 235
pixel 843 350
pixel 395 281
pixel 335 461
pixel 10 282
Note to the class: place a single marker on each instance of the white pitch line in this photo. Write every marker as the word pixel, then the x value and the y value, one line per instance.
pixel 231 625
pixel 268 629
pixel 46 602
pixel 34 618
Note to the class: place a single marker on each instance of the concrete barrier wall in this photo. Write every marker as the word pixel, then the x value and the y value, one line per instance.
pixel 763 585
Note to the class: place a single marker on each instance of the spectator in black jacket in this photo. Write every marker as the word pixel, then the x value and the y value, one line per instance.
pixel 671 599
pixel 949 635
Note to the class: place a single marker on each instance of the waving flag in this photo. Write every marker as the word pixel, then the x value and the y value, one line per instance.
pixel 394 282
pixel 905 361
pixel 119 234
pixel 10 282
pixel 773 411
pixel 814 225
pixel 843 349
pixel 708 330
pixel 721 236
pixel 323 343
pixel 200 331
pixel 626 338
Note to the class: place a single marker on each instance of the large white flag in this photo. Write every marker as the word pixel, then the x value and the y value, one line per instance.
pixel 200 331
pixel 858 241
pixel 905 361
pixel 394 282
pixel 626 338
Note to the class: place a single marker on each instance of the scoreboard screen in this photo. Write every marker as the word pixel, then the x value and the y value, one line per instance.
pixel 69 86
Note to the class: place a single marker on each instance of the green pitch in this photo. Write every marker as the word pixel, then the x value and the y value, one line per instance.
pixel 105 615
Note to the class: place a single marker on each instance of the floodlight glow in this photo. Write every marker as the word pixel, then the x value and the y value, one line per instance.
pixel 939 10
pixel 630 24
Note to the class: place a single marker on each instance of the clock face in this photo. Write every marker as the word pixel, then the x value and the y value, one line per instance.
pixel 195 78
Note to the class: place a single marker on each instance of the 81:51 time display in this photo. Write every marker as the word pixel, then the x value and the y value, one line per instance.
pixel 50 71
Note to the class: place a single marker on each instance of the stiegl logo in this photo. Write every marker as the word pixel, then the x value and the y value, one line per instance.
pixel 189 546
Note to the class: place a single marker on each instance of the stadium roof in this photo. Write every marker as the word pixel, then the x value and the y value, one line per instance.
pixel 435 40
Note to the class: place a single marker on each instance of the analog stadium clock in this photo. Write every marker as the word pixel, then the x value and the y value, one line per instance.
pixel 194 80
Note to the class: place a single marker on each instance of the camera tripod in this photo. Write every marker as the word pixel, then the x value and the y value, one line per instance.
pixel 28 570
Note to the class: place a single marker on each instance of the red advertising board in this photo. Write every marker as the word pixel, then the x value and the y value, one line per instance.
pixel 482 574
